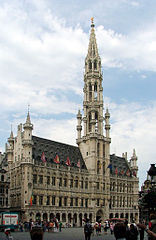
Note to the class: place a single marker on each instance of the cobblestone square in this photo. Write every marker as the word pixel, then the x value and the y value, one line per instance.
pixel 66 234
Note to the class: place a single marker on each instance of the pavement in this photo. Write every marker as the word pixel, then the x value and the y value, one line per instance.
pixel 66 234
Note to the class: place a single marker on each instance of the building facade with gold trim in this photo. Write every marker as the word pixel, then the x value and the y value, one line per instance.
pixel 49 178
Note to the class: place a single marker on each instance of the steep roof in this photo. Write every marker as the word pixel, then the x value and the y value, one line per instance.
pixel 52 148
pixel 120 164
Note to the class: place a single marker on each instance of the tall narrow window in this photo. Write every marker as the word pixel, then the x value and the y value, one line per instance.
pixel 53 181
pixel 95 65
pixel 98 149
pixel 60 201
pixel 96 119
pixel 90 126
pixel 95 91
pixel 90 92
pixel 48 200
pixel 90 65
pixel 98 167
pixel 53 200
pixel 103 167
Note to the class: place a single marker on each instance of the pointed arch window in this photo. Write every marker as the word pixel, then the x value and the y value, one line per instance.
pixel 90 118
pixel 95 91
pixel 90 92
pixel 95 64
pixel 99 64
pixel 103 168
pixel 90 65
pixel 98 167
pixel 104 150
pixel 96 124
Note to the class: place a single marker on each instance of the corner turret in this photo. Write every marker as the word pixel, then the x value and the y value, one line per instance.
pixel 133 164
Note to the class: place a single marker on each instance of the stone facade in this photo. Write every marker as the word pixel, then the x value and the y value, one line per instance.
pixel 54 179
pixel 4 184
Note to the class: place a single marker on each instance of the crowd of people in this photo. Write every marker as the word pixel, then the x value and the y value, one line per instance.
pixel 123 230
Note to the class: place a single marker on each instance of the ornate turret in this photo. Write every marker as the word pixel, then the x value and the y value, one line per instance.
pixel 27 140
pixel 133 164
pixel 79 126
pixel 10 148
pixel 28 127
pixel 107 124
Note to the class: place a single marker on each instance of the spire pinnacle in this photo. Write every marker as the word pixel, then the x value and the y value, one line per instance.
pixel 92 48
pixel 92 22
pixel 28 115
pixel 11 134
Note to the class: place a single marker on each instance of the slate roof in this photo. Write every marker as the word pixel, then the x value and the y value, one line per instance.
pixel 52 148
pixel 120 164
pixel 152 170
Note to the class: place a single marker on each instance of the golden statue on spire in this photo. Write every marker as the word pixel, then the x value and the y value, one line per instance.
pixel 92 20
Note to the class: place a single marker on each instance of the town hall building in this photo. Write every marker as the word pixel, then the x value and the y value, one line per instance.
pixel 51 179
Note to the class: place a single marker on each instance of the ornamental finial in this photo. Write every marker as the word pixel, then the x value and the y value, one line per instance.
pixel 92 22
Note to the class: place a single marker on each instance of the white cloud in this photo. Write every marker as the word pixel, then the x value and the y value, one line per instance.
pixel 56 130
pixel 135 51
pixel 40 58
pixel 133 126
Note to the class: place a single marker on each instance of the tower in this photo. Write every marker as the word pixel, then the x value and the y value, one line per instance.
pixel 133 164
pixel 93 145
pixel 27 163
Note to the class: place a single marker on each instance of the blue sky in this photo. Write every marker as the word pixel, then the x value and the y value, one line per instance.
pixel 43 45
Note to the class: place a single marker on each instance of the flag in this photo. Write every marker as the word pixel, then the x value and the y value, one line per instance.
pixel 31 200
pixel 68 161
pixel 43 157
pixel 128 173
pixel 122 172
pixel 56 159
pixel 116 171
pixel 78 164
pixel 110 166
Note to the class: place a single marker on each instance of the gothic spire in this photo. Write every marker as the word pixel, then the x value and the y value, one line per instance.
pixel 28 123
pixel 92 48
pixel 93 60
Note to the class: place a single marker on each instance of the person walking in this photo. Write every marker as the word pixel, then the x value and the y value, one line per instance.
pixel 87 230
pixel 141 233
pixel 60 226
pixel 149 232
pixel 133 232
pixel 120 231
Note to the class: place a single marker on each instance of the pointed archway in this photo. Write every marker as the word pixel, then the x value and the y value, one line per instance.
pixel 99 215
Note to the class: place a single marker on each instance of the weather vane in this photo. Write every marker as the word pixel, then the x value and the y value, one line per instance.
pixel 28 107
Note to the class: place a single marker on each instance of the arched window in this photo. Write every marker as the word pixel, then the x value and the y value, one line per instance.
pixel 90 118
pixel 2 178
pixel 90 65
pixel 103 167
pixel 90 92
pixel 95 65
pixel 98 167
pixel 103 150
pixel 95 91
pixel 96 125
pixel 98 149
pixel 99 64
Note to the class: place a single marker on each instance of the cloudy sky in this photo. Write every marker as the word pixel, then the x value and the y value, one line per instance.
pixel 43 44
